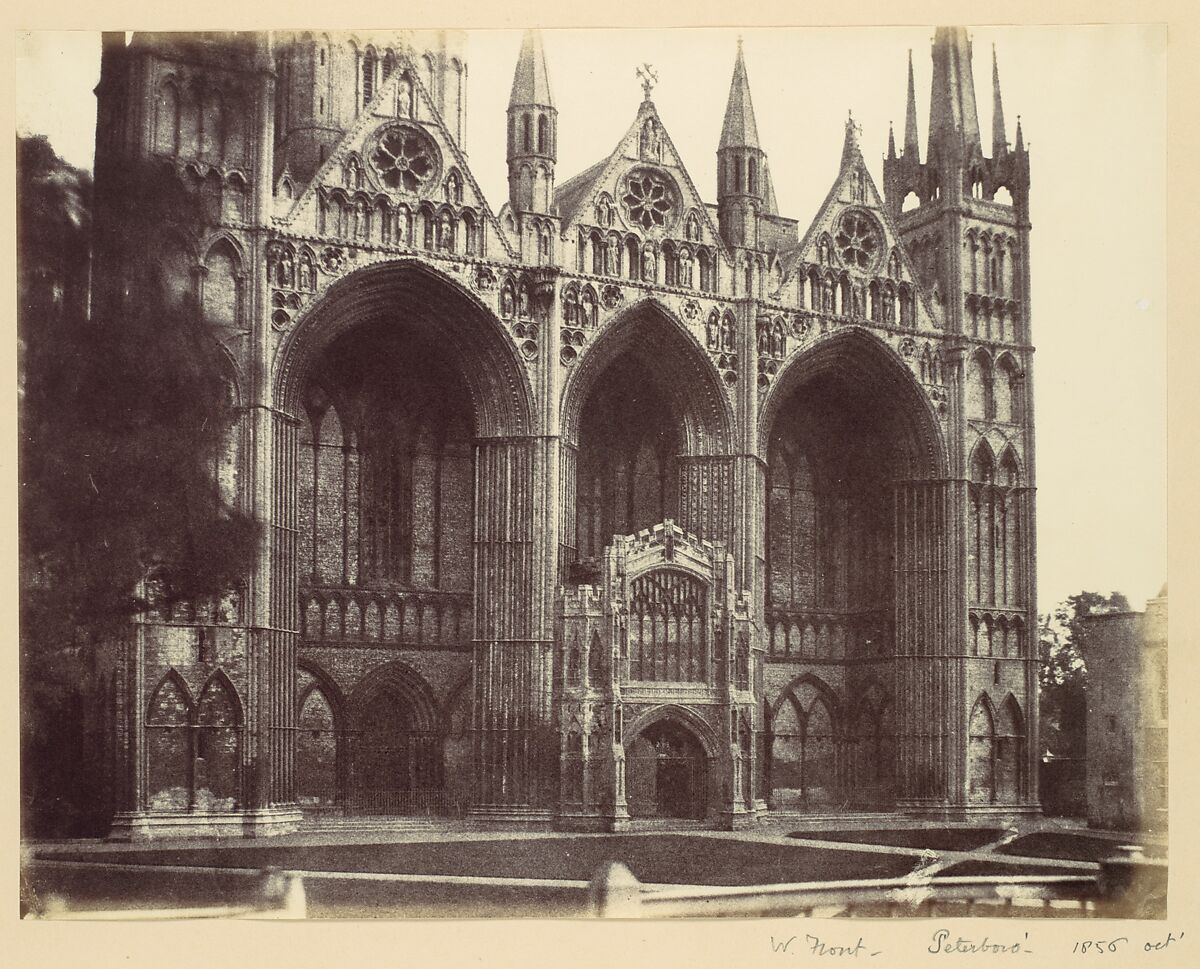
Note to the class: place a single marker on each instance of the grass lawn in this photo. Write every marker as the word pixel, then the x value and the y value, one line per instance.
pixel 936 839
pixel 1074 847
pixel 671 859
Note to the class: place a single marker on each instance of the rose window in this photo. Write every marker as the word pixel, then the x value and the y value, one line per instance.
pixel 648 200
pixel 405 159
pixel 857 240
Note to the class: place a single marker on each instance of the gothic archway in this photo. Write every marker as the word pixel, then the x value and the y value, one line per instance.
pixel 394 744
pixel 805 738
pixel 647 428
pixel 858 517
pixel 668 767
pixel 404 471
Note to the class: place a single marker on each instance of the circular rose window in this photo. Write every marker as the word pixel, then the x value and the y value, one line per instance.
pixel 405 159
pixel 858 240
pixel 649 199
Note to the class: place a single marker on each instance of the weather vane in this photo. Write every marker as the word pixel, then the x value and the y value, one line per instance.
pixel 649 77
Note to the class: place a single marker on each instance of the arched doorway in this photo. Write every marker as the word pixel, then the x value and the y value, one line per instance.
pixel 667 773
pixel 394 746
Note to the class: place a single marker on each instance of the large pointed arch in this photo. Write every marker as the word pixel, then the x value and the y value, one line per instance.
pixel 421 296
pixel 862 359
pixel 694 382
pixel 400 679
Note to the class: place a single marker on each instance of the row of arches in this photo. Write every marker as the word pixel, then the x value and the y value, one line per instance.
pixel 215 279
pixel 997 635
pixel 997 520
pixel 880 300
pixel 194 745
pixel 385 478
pixel 366 219
pixel 992 258
pixel 388 747
pixel 996 752
pixel 611 254
pixel 195 119
pixel 995 389
pixel 823 750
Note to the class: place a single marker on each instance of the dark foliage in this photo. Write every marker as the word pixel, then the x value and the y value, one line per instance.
pixel 1063 674
pixel 122 413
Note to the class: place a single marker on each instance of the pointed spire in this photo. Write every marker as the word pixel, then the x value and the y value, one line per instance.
pixel 912 143
pixel 851 152
pixel 999 137
pixel 891 143
pixel 952 113
pixel 531 80
pixel 740 129
pixel 1020 137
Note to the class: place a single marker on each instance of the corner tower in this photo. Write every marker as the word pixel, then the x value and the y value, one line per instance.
pixel 958 194
pixel 532 130
pixel 964 219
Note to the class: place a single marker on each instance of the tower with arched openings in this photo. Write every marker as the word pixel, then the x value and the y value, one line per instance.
pixel 607 504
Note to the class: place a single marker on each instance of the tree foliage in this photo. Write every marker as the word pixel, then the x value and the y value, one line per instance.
pixel 121 414
pixel 1063 673
pixel 122 417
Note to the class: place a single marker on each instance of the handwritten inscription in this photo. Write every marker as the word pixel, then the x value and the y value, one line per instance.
pixel 942 942
pixel 816 946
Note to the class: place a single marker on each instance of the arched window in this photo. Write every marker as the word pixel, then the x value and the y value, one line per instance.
pixel 221 285
pixel 210 126
pixel 169 746
pixel 669 264
pixel 753 179
pixel 166 139
pixel 598 252
pixel 543 140
pixel 981 757
pixel 737 173
pixel 368 77
pixel 526 132
pixel 218 743
pixel 981 404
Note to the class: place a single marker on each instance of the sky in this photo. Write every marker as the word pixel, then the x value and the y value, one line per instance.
pixel 1093 106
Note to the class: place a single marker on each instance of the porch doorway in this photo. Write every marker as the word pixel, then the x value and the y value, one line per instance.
pixel 667 773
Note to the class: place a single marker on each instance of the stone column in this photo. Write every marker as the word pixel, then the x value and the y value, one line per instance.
pixel 271 463
pixel 929 668
pixel 515 744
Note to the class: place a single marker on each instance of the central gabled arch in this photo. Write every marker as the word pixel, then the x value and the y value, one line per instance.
pixel 647 328
pixel 644 419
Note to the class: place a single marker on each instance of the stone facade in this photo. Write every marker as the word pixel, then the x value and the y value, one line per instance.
pixel 1126 656
pixel 610 503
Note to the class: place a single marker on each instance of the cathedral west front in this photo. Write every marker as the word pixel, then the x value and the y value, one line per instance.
pixel 608 504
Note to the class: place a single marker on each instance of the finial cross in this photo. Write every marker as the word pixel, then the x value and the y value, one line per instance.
pixel 649 77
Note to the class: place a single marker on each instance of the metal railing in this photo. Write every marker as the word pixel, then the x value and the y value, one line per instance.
pixel 381 802
pixel 615 892
pixel 277 895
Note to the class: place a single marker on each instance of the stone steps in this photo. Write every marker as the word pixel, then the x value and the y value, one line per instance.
pixel 335 825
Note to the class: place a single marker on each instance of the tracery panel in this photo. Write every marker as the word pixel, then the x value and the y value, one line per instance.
pixel 668 627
